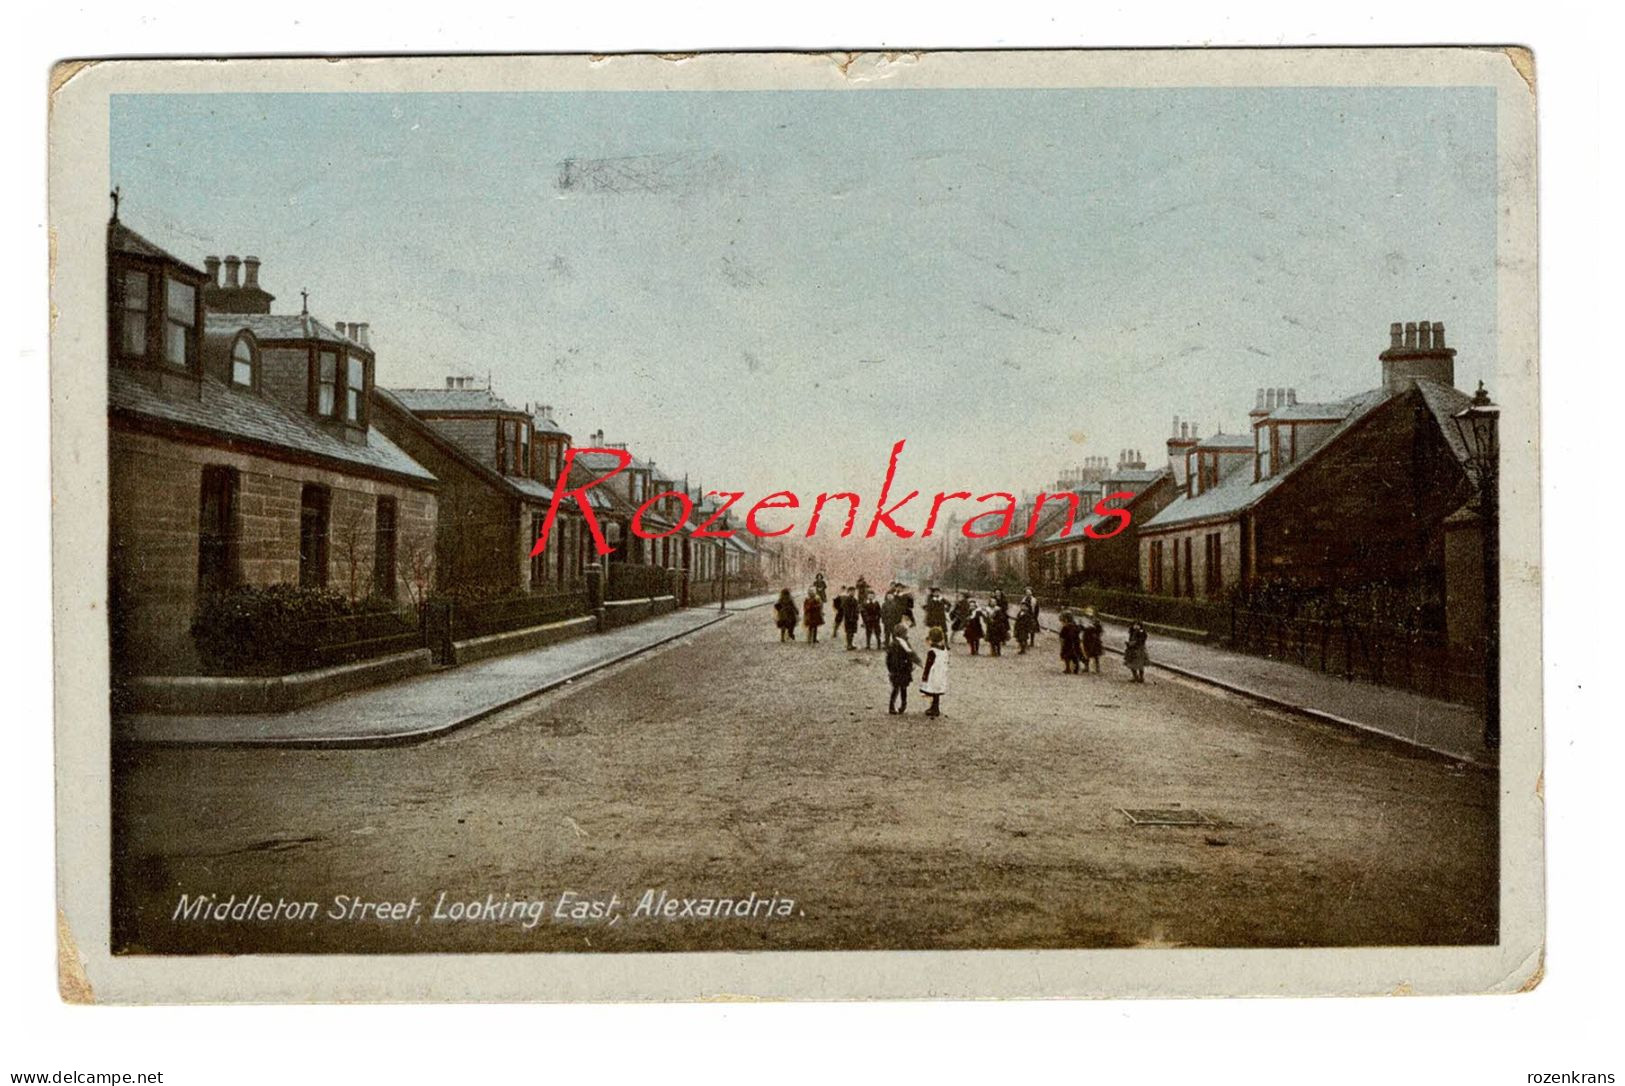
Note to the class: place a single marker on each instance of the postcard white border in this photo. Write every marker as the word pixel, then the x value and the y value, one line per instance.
pixel 79 184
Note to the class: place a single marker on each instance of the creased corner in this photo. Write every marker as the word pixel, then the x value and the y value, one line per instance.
pixel 71 982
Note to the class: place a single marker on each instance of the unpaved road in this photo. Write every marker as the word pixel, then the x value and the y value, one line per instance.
pixel 727 764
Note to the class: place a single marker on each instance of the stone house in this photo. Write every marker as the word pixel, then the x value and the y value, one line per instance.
pixel 496 463
pixel 241 451
pixel 1349 492
pixel 1060 556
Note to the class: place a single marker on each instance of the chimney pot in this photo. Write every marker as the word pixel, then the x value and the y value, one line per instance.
pixel 1291 395
pixel 364 330
pixel 1396 333
pixel 1424 335
pixel 1438 334
pixel 232 264
pixel 1269 399
pixel 1258 405
pixel 251 272
pixel 211 266
pixel 1410 334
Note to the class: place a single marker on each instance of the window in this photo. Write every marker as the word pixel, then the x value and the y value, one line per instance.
pixel 383 549
pixel 180 323
pixel 538 562
pixel 1212 556
pixel 133 319
pixel 355 387
pixel 314 503
pixel 524 448
pixel 217 529
pixel 242 362
pixel 1190 574
pixel 327 383
pixel 561 548
pixel 1156 566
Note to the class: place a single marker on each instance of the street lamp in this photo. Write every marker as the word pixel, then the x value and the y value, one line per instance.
pixel 1478 426
pixel 722 557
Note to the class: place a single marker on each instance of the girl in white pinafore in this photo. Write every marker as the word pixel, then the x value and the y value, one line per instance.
pixel 934 677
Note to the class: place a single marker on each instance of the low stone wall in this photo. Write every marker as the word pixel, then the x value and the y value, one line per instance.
pixel 533 637
pixel 626 612
pixel 269 694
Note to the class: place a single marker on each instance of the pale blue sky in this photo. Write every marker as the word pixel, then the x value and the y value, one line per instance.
pixel 767 289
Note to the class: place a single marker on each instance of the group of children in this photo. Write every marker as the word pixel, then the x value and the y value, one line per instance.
pixel 887 621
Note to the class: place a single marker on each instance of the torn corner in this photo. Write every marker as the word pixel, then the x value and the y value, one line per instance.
pixel 1523 60
pixel 71 982
pixel 1537 974
pixel 62 71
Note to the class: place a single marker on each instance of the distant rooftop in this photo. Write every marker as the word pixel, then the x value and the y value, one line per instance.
pixel 453 399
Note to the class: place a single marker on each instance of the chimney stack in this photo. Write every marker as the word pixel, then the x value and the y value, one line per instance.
pixel 211 267
pixel 251 272
pixel 1421 355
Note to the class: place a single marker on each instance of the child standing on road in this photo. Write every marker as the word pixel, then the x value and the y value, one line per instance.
pixel 1093 640
pixel 934 677
pixel 1135 656
pixel 872 638
pixel 1026 628
pixel 1071 643
pixel 812 609
pixel 900 661
pixel 784 615
pixel 973 629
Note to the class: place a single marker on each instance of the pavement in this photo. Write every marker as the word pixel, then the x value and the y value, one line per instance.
pixel 427 705
pixel 1431 724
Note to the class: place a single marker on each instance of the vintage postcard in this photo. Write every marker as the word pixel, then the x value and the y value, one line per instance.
pixel 979 525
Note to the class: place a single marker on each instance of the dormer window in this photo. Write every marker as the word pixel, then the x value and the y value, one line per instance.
pixel 180 324
pixel 355 386
pixel 242 362
pixel 327 383
pixel 133 314
pixel 524 449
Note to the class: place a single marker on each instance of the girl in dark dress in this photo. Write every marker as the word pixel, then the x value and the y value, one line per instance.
pixel 1135 656
pixel 784 615
pixel 1026 628
pixel 1093 638
pixel 973 630
pixel 900 661
pixel 998 630
pixel 812 614
pixel 1071 643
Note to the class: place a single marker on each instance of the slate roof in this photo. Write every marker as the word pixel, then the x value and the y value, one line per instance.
pixel 122 239
pixel 452 399
pixel 546 424
pixel 1136 475
pixel 1087 518
pixel 1237 491
pixel 1226 441
pixel 1309 412
pixel 272 326
pixel 244 416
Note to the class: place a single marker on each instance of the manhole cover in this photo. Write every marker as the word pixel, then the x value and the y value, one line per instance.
pixel 1166 816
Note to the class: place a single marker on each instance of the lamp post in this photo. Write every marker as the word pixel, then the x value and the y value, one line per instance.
pixel 722 557
pixel 1478 426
